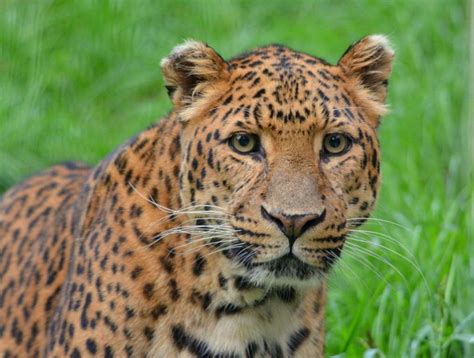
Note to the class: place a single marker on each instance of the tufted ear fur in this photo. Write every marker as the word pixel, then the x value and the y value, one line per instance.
pixel 193 72
pixel 368 63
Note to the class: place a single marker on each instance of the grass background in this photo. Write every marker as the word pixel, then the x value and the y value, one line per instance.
pixel 79 77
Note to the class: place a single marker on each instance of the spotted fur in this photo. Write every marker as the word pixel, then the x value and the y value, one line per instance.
pixel 177 245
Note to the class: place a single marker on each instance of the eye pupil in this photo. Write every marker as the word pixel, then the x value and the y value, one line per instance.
pixel 243 140
pixel 335 141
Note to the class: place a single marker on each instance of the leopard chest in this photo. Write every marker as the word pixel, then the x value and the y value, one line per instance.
pixel 273 324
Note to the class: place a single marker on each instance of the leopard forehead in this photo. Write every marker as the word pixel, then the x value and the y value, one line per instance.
pixel 280 89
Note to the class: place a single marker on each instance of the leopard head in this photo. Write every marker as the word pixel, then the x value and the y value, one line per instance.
pixel 285 146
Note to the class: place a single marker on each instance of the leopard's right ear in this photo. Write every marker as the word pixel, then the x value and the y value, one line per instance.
pixel 368 63
pixel 192 71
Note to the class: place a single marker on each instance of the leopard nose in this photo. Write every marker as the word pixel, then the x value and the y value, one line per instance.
pixel 293 226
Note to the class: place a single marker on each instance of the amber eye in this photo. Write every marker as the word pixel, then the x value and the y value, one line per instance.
pixel 244 142
pixel 336 143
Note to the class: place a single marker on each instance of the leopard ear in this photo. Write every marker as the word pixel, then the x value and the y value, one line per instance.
pixel 368 62
pixel 192 71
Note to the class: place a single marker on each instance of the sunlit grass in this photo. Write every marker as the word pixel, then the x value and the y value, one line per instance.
pixel 78 78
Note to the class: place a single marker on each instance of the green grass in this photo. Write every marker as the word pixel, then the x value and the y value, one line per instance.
pixel 78 78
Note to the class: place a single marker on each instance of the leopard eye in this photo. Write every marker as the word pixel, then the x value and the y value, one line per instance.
pixel 336 143
pixel 244 142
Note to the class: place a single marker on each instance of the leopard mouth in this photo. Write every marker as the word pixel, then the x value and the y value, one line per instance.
pixel 297 265
pixel 290 266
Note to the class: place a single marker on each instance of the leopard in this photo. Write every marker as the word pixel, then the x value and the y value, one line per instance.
pixel 213 232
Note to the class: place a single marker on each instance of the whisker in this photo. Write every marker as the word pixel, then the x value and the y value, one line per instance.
pixel 369 234
pixel 186 210
pixel 412 261
pixel 233 246
pixel 207 238
pixel 190 233
pixel 345 268
pixel 359 239
pixel 205 245
pixel 378 257
pixel 171 217
pixel 366 263
pixel 380 221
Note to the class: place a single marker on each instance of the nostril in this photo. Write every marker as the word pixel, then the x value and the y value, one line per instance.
pixel 312 221
pixel 266 215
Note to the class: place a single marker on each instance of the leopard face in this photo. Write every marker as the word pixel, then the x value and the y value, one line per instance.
pixel 284 146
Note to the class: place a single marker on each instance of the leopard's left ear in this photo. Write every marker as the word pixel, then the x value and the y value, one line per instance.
pixel 369 63
pixel 193 71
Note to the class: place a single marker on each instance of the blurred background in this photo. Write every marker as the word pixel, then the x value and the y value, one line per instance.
pixel 77 78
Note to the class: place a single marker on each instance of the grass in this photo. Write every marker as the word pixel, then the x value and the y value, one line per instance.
pixel 78 78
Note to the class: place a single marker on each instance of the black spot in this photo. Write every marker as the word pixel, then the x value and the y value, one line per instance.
pixel 242 283
pixel 153 196
pixel 135 211
pixel 354 200
pixel 158 311
pixel 91 346
pixel 210 158
pixel 71 330
pixel 196 347
pixel 129 351
pixel 255 63
pixel 179 337
pixel 103 262
pixel 108 352
pixel 364 206
pixel 16 333
pixel 286 294
pixel 129 313
pixel 174 291
pixel 346 99
pixel 297 339
pixel 259 93
pixel 227 114
pixel 227 309
pixel 274 350
pixel 199 147
pixel 255 82
pixel 251 350
pixel 149 333
pixel 199 264
pixel 87 302
pixel 75 353
pixel 227 100
pixel 206 301
pixel 111 324
pixel 322 95
pixel 148 290
pixel 222 281
pixel 136 272
pixel 167 263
